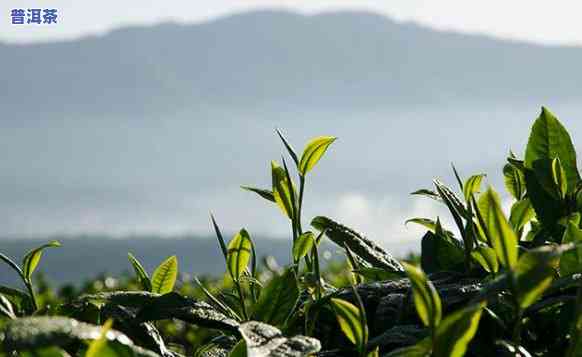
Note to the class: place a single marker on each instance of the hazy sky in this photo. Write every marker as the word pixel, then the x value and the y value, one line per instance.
pixel 550 22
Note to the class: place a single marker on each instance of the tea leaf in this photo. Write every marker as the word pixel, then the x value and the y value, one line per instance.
pixel 502 236
pixel 521 213
pixel 559 177
pixel 349 320
pixel 514 181
pixel 277 300
pixel 486 257
pixel 288 147
pixel 266 194
pixel 32 258
pixel 472 185
pixel 535 272
pixel 239 254
pixel 219 236
pixel 303 245
pixel 283 190
pixel 313 152
pixel 548 140
pixel 441 252
pixel 456 331
pixel 165 276
pixel 426 299
pixel 140 272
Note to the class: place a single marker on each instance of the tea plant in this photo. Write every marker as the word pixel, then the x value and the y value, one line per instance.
pixel 496 284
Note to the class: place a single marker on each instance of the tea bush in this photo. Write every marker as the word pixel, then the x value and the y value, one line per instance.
pixel 499 284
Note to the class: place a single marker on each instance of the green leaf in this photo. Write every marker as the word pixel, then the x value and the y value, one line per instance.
pixel 303 245
pixel 548 140
pixel 165 276
pixel 486 257
pixel 426 299
pixel 219 236
pixel 456 331
pixel 99 346
pixel 266 194
pixel 349 320
pixel 313 152
pixel 288 147
pixel 514 181
pixel 501 235
pixel 427 193
pixel 239 254
pixel 559 177
pixel 277 300
pixel 427 223
pixel 441 252
pixel 283 190
pixel 32 258
pixel 521 213
pixel 571 261
pixel 141 274
pixel 535 272
pixel 472 185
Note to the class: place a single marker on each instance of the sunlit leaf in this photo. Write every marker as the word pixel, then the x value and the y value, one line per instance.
pixel 349 320
pixel 502 236
pixel 472 185
pixel 426 299
pixel 313 152
pixel 521 213
pixel 535 272
pixel 454 333
pixel 487 258
pixel 559 177
pixel 303 245
pixel 283 190
pixel 239 252
pixel 514 181
pixel 165 275
pixel 32 258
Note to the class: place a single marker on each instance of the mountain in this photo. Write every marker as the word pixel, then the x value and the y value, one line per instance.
pixel 145 129
pixel 278 60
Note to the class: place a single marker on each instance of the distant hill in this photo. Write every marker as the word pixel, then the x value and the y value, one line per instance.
pixel 145 129
pixel 275 60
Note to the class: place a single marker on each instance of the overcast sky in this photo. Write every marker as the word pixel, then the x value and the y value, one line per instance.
pixel 550 22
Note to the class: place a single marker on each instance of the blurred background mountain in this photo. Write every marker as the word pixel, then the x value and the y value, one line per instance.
pixel 144 130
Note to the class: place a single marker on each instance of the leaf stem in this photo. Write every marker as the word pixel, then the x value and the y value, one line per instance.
pixel 241 299
pixel 31 293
